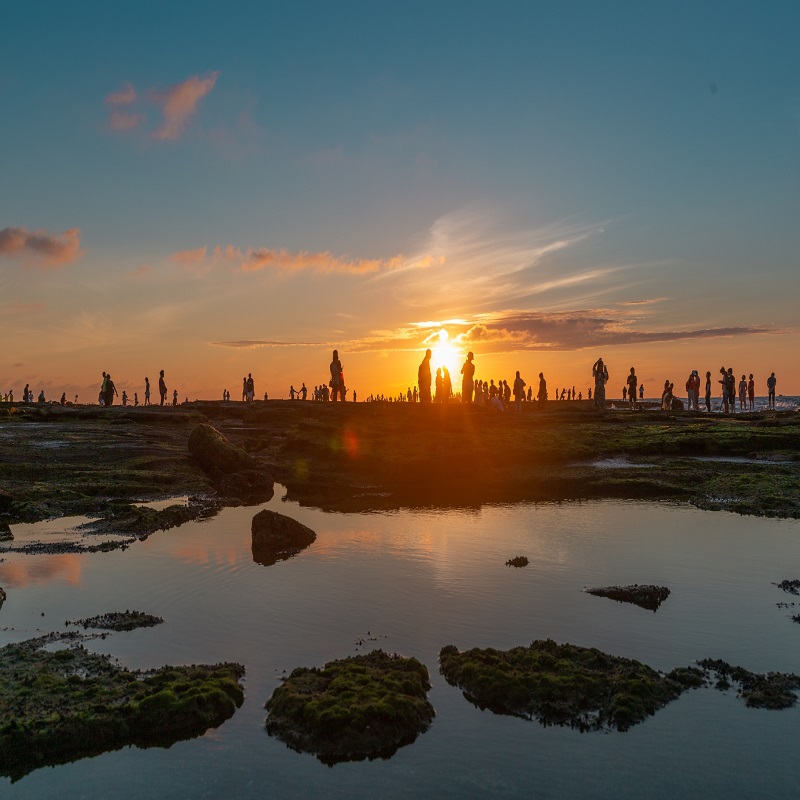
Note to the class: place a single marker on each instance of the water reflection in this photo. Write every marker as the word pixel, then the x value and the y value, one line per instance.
pixel 421 580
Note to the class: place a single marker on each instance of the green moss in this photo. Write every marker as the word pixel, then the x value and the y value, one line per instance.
pixel 773 690
pixel 59 706
pixel 559 684
pixel 366 706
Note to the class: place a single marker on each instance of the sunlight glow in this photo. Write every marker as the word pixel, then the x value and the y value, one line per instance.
pixel 446 354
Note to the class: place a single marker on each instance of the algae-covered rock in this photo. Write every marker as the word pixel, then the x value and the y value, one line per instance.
pixel 365 706
pixel 645 596
pixel 559 684
pixel 57 707
pixel 215 453
pixel 250 486
pixel 119 621
pixel 276 537
pixel 773 690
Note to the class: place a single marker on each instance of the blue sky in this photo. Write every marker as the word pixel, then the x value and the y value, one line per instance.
pixel 557 177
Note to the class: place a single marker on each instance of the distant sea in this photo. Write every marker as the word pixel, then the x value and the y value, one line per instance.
pixel 782 402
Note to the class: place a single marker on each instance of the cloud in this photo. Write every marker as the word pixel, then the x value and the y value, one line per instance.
pixel 40 247
pixel 541 331
pixel 23 308
pixel 254 344
pixel 179 103
pixel 119 119
pixel 123 97
pixel 324 262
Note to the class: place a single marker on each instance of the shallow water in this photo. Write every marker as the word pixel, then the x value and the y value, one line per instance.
pixel 412 583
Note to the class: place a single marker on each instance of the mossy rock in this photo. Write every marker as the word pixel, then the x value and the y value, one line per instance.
pixel 365 706
pixel 215 453
pixel 771 690
pixel 559 684
pixel 57 707
pixel 2 597
pixel 644 596
pixel 276 537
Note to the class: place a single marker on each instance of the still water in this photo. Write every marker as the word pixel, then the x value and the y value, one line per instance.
pixel 412 582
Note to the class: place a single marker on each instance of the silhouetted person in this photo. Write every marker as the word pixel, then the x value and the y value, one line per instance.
pixel 751 392
pixel 111 390
pixel 447 384
pixel 303 392
pixel 337 378
pixel 708 391
pixel 631 382
pixel 519 391
pixel 467 382
pixel 147 391
pixel 600 375
pixel 542 394
pixel 772 381
pixel 162 387
pixel 438 383
pixel 424 378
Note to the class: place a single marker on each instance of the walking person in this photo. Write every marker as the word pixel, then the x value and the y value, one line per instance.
pixel 147 391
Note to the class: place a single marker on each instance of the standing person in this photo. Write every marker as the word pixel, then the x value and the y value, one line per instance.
pixel 771 383
pixel 631 382
pixel 251 388
pixel 641 392
pixel 708 391
pixel 424 378
pixel 468 371
pixel 244 390
pixel 743 394
pixel 730 379
pixel 751 392
pixel 541 395
pixel 519 392
pixel 337 378
pixel 162 387
pixel 691 392
pixel 124 398
pixel 147 391
pixel 600 375
pixel 438 383
pixel 27 389
pixel 111 390
pixel 447 384
pixel 724 381
pixel 175 397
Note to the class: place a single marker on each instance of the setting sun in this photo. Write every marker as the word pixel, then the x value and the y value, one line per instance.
pixel 446 354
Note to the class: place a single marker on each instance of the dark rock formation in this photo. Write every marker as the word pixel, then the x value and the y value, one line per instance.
pixel 360 707
pixel 5 502
pixel 251 486
pixel 792 587
pixel 5 532
pixel 276 537
pixel 518 561
pixel 560 684
pixel 118 621
pixel 215 453
pixel 645 596
pixel 2 597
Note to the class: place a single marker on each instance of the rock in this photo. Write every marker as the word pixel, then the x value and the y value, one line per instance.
pixel 645 596
pixel 215 453
pixel 5 532
pixel 772 690
pixel 560 684
pixel 251 486
pixel 5 502
pixel 85 704
pixel 119 621
pixel 276 537
pixel 360 707
pixel 2 597
pixel 517 561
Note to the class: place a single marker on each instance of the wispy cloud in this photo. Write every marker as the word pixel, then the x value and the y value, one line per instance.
pixel 324 262
pixel 41 248
pixel 179 104
pixel 540 331
pixel 255 344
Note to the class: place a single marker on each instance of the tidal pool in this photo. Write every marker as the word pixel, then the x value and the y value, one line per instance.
pixel 412 582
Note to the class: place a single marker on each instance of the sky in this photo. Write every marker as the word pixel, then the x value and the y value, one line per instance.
pixel 221 189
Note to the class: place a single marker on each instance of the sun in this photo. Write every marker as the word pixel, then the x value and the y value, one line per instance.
pixel 446 354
